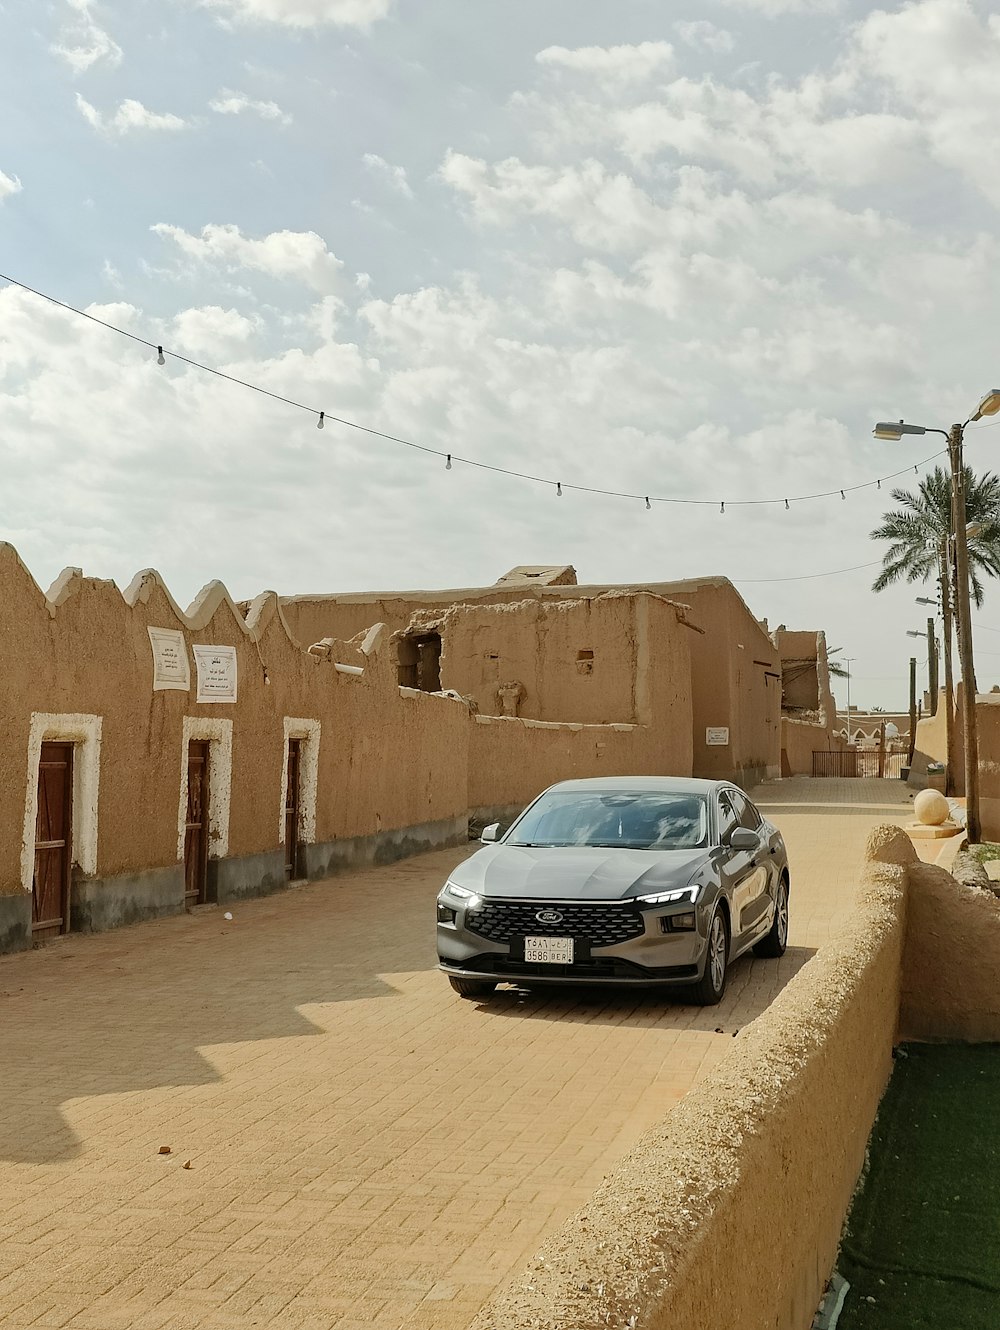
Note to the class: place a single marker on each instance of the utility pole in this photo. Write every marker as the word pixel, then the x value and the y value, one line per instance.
pixel 932 664
pixel 949 678
pixel 913 709
pixel 964 612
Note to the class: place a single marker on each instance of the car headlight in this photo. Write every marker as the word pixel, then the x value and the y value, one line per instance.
pixel 468 898
pixel 687 894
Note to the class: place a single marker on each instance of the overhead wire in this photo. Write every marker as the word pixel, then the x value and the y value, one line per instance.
pixel 451 457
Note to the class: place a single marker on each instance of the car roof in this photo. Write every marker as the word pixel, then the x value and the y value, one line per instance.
pixel 647 784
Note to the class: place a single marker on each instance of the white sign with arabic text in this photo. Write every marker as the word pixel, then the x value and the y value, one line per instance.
pixel 171 667
pixel 216 668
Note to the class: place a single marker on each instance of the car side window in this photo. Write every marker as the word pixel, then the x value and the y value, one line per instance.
pixel 728 821
pixel 745 811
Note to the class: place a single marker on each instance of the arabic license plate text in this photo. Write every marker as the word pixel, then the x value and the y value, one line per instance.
pixel 549 950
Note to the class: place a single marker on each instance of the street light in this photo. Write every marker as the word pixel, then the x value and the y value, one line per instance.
pixel 989 405
pixel 927 600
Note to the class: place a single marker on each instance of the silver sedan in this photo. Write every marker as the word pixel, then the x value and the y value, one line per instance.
pixel 637 880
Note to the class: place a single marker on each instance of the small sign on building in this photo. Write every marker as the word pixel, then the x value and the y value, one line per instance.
pixel 171 667
pixel 716 736
pixel 216 668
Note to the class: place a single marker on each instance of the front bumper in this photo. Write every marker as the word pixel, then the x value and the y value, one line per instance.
pixel 651 959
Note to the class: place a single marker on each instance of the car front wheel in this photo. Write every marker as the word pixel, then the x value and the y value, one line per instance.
pixel 472 988
pixel 777 939
pixel 710 988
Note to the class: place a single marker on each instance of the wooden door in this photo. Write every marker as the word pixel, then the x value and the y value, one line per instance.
pixel 53 842
pixel 196 827
pixel 292 809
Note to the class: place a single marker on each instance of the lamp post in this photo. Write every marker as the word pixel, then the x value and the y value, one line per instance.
pixel 988 406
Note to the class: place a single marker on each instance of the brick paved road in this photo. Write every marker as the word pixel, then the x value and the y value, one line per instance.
pixel 366 1149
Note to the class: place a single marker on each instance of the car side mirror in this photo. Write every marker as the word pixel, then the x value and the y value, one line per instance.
pixel 742 838
pixel 490 833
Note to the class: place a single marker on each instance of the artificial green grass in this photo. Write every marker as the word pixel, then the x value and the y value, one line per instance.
pixel 921 1246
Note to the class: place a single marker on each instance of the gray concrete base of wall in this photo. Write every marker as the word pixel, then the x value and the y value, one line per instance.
pixel 98 904
pixel 485 817
pixel 385 847
pixel 15 922
pixel 238 879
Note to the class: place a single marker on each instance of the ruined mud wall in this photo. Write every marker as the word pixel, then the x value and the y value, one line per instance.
pixel 951 960
pixel 511 760
pixel 574 660
pixel 735 666
pixel 743 1164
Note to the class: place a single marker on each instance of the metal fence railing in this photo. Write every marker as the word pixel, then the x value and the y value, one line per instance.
pixel 866 763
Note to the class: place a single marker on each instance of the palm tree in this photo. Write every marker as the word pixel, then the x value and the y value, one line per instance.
pixel 836 668
pixel 919 532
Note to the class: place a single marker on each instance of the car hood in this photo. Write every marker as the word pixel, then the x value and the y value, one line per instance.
pixel 575 872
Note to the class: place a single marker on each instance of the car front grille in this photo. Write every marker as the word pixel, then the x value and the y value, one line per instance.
pixel 599 924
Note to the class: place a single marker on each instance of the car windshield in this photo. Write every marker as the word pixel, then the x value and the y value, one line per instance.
pixel 632 820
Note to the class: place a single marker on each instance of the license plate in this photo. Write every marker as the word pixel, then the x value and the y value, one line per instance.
pixel 549 950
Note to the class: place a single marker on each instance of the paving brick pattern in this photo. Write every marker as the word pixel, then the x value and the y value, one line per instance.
pixel 366 1149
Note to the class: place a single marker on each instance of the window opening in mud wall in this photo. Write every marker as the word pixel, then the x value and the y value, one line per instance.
pixel 585 661
pixel 420 662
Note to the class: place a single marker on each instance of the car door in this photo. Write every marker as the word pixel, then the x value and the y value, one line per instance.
pixel 760 887
pixel 740 873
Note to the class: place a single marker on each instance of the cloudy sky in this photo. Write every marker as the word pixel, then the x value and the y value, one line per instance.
pixel 685 252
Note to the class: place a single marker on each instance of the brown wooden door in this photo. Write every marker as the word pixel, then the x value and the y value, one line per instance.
pixel 292 809
pixel 196 828
pixel 53 842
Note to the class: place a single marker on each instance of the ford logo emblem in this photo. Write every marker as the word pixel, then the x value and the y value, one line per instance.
pixel 549 917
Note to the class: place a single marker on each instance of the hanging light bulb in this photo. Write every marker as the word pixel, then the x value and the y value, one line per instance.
pixel 843 496
pixel 559 489
pixel 447 465
pixel 648 504
pixel 322 417
pixel 160 357
pixel 786 505
pixel 722 507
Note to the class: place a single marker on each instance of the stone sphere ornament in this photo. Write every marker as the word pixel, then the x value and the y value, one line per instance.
pixel 931 808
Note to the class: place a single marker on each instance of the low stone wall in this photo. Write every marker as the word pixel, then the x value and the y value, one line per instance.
pixel 951 960
pixel 729 1213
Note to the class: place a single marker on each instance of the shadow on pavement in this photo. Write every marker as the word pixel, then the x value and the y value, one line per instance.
pixel 130 1011
pixel 753 985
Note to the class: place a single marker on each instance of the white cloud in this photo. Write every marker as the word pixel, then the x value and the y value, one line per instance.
pixel 228 102
pixel 705 36
pixel 939 64
pixel 393 175
pixel 776 8
pixel 9 184
pixel 211 332
pixel 604 209
pixel 83 43
pixel 130 116
pixel 612 64
pixel 307 13
pixel 299 255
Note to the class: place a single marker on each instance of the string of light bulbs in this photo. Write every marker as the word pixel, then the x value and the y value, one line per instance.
pixel 450 458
